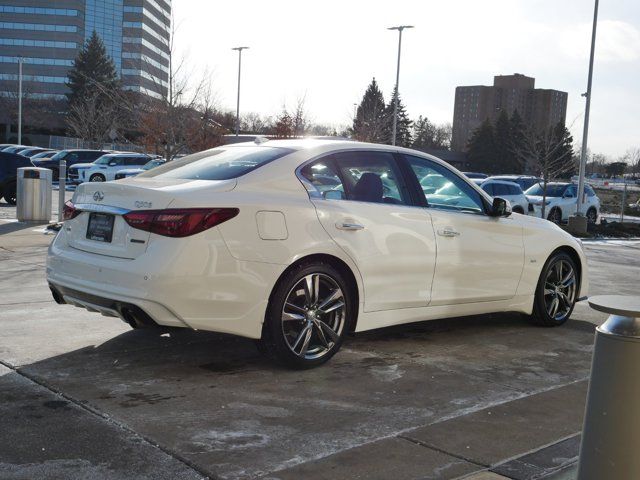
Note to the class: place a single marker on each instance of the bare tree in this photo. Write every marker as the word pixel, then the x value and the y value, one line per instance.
pixel 182 119
pixel 548 152
pixel 632 158
pixel 299 119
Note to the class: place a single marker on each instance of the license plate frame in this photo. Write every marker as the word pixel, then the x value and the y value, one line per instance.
pixel 100 227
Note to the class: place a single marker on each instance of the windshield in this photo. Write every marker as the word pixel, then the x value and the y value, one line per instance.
pixel 44 154
pixel 103 160
pixel 152 164
pixel 60 155
pixel 555 190
pixel 218 164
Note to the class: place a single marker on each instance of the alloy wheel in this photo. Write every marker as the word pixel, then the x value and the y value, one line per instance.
pixel 313 316
pixel 560 290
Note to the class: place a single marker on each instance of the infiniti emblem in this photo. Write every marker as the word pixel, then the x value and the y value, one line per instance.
pixel 98 196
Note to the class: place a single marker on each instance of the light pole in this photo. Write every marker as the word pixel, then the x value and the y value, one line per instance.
pixel 20 59
pixel 399 28
pixel 239 49
pixel 585 132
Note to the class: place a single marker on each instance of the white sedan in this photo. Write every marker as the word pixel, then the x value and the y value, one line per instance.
pixel 295 243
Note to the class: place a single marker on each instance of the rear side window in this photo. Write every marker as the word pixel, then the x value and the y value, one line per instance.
pixel 218 164
pixel 488 188
pixel 500 189
pixel 134 161
pixel 514 190
pixel 590 191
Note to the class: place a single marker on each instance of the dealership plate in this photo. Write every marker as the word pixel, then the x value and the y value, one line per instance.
pixel 100 227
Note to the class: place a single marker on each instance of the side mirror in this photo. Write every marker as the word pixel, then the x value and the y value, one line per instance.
pixel 333 195
pixel 500 208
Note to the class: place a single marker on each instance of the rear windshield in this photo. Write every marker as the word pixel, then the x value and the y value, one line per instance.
pixel 218 164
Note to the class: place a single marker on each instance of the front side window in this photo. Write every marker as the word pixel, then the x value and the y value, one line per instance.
pixel 500 189
pixel 455 194
pixel 221 163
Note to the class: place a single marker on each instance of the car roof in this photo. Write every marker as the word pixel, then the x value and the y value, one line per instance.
pixel 502 182
pixel 129 154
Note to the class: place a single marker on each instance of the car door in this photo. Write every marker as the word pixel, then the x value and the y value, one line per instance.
pixel 364 205
pixel 479 258
pixel 569 201
pixel 115 164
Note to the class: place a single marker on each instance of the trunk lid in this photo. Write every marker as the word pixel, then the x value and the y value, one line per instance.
pixel 102 203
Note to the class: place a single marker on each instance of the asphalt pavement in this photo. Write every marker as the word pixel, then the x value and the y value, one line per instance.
pixel 485 397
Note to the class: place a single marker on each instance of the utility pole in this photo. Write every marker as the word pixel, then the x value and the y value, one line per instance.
pixel 20 59
pixel 583 154
pixel 399 28
pixel 239 49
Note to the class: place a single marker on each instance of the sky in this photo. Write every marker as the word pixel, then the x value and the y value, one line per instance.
pixel 328 52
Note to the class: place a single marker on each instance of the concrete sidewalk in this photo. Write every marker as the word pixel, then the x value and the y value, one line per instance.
pixel 486 397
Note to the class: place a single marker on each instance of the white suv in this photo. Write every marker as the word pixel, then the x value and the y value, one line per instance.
pixel 561 201
pixel 510 191
pixel 105 168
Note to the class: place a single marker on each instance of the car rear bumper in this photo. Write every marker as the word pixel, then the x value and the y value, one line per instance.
pixel 192 282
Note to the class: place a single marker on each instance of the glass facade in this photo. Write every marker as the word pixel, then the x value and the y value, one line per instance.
pixel 105 17
pixel 38 11
pixel 136 35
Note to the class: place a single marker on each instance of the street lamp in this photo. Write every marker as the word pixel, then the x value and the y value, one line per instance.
pixel 583 153
pixel 239 49
pixel 20 60
pixel 399 28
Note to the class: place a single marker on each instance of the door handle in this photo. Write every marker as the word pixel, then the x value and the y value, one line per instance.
pixel 448 232
pixel 349 226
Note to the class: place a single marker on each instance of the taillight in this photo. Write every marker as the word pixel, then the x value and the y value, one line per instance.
pixel 69 211
pixel 179 222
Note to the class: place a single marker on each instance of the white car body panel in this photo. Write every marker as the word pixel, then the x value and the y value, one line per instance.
pixel 221 279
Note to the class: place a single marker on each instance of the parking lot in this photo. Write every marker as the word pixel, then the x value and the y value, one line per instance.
pixel 84 396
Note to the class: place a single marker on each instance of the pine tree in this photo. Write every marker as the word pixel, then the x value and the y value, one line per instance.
pixel 517 140
pixel 502 141
pixel 369 124
pixel 92 70
pixel 562 156
pixel 96 104
pixel 481 149
pixel 427 135
pixel 403 123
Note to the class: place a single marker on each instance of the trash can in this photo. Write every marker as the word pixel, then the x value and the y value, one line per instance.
pixel 34 194
pixel 611 431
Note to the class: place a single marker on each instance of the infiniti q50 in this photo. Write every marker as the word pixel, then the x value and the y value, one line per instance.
pixel 296 243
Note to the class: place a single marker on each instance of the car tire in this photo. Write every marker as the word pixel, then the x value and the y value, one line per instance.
pixel 518 209
pixel 97 177
pixel 592 215
pixel 10 194
pixel 556 292
pixel 308 316
pixel 555 215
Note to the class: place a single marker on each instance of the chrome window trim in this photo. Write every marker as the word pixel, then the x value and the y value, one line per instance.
pixel 97 208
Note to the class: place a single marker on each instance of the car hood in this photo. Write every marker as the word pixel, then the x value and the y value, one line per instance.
pixel 538 199
pixel 81 165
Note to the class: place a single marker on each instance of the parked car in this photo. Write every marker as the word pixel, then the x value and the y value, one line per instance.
pixel 525 181
pixel 239 239
pixel 72 157
pixel 31 151
pixel 9 164
pixel 45 154
pixel 473 175
pixel 562 201
pixel 132 172
pixel 105 168
pixel 510 191
pixel 15 148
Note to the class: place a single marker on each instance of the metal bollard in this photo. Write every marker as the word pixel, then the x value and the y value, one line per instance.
pixel 611 431
pixel 62 186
